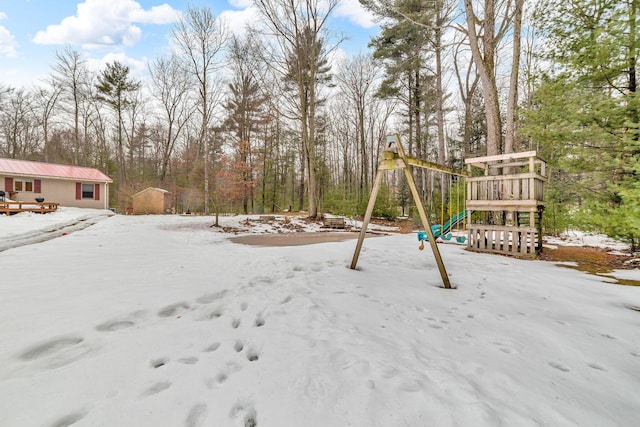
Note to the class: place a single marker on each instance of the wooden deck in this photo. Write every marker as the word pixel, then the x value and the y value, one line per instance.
pixel 10 208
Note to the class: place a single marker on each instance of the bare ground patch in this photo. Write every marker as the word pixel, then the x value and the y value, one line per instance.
pixel 593 260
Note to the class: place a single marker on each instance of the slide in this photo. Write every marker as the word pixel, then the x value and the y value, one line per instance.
pixel 439 230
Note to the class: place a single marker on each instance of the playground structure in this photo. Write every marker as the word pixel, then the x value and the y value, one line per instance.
pixel 395 158
pixel 508 199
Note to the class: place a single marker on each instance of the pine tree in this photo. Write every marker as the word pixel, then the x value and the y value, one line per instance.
pixel 585 114
pixel 114 89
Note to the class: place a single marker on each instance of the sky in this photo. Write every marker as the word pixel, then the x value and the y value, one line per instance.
pixel 129 31
pixel 164 321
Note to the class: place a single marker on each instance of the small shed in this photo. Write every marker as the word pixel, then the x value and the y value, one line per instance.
pixel 151 201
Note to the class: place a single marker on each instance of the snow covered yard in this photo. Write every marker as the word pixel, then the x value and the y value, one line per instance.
pixel 163 321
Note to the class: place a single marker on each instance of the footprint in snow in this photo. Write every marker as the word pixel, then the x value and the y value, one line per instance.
pixel 246 413
pixel 212 347
pixel 209 298
pixel 252 354
pixel 196 415
pixel 114 325
pixel 223 375
pixel 70 419
pixel 597 367
pixel 156 388
pixel 259 321
pixel 51 347
pixel 559 366
pixel 157 363
pixel 56 352
pixel 218 312
pixel 173 309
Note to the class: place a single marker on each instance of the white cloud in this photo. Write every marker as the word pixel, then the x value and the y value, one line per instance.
pixel 158 15
pixel 137 68
pixel 241 4
pixel 337 57
pixel 8 43
pixel 237 20
pixel 352 10
pixel 106 22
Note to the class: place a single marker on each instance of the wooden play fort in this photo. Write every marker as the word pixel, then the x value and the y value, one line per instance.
pixel 506 195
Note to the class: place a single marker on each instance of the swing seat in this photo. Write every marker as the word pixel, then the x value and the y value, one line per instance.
pixel 436 229
pixel 446 236
pixel 461 239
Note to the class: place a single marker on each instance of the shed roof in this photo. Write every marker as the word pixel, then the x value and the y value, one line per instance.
pixel 50 170
pixel 155 189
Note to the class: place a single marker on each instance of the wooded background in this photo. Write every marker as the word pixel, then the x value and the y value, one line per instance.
pixel 275 120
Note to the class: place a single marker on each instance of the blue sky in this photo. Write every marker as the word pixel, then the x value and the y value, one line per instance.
pixel 130 31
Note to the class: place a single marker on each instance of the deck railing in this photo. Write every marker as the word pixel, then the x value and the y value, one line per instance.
pixel 9 208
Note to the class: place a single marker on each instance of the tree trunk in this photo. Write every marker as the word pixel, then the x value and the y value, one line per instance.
pixel 439 96
pixel 485 65
pixel 512 104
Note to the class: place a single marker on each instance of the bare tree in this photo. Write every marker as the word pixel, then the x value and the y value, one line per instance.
pixel 245 107
pixel 136 116
pixel 301 54
pixel 47 101
pixel 20 125
pixel 356 79
pixel 201 38
pixel 442 18
pixel 170 87
pixel 71 75
pixel 468 81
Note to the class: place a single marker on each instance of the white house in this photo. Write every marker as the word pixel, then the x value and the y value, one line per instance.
pixel 68 185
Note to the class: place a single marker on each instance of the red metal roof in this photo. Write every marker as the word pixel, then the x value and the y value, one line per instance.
pixel 52 170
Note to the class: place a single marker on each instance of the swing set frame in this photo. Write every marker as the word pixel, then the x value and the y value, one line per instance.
pixel 394 158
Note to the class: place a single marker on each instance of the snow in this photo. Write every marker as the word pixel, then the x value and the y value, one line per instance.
pixel 163 321
pixel 581 238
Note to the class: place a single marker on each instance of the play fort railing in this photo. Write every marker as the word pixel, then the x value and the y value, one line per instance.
pixel 508 199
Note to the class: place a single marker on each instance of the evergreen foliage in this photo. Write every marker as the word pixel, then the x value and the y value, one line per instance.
pixel 585 116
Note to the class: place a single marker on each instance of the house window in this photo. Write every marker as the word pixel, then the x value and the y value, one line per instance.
pixel 25 185
pixel 87 191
